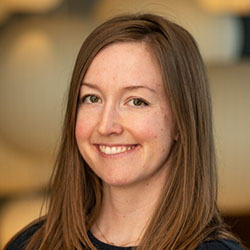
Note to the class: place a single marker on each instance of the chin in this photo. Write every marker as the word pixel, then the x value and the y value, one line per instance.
pixel 118 181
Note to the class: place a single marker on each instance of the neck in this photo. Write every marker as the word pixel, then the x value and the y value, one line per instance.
pixel 126 212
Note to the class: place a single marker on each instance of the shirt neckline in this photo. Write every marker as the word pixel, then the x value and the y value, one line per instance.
pixel 104 246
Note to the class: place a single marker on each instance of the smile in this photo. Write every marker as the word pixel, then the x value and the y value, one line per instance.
pixel 111 150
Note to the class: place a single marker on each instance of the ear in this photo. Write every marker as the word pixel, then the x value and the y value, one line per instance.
pixel 177 135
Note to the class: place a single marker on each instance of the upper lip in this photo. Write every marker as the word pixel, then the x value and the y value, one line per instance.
pixel 116 145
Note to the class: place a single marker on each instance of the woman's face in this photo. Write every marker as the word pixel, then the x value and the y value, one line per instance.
pixel 124 127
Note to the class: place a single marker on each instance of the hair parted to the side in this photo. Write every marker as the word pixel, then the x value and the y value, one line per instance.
pixel 187 213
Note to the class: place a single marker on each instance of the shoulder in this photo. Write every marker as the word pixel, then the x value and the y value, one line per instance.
pixel 219 245
pixel 20 240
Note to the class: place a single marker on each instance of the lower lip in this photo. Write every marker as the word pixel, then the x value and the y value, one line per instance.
pixel 118 154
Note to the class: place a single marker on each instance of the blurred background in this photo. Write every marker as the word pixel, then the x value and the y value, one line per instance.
pixel 39 41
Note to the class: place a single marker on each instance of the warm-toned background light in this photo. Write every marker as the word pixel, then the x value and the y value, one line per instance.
pixel 226 6
pixel 29 5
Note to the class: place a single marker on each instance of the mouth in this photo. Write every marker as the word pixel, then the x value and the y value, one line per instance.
pixel 114 150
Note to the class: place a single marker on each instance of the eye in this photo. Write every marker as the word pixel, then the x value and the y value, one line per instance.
pixel 138 102
pixel 90 99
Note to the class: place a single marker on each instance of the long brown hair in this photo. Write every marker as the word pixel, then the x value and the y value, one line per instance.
pixel 187 213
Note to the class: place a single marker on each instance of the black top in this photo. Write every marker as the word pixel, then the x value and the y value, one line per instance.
pixel 20 241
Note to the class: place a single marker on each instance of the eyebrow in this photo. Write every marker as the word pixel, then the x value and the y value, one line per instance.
pixel 94 86
pixel 139 87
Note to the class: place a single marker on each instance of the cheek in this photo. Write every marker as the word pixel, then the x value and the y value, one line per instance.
pixel 149 127
pixel 156 129
pixel 83 128
pixel 79 132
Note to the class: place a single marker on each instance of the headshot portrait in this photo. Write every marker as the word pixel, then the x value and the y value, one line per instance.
pixel 136 165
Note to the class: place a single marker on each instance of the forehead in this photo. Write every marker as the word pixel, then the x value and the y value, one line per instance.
pixel 125 63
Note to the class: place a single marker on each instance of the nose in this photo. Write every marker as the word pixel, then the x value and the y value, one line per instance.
pixel 110 122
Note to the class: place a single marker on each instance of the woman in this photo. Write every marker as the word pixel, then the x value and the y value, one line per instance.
pixel 136 166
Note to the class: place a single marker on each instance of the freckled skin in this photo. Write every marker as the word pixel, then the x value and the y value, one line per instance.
pixel 115 120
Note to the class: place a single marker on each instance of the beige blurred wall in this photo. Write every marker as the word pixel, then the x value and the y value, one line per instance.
pixel 37 57
pixel 230 87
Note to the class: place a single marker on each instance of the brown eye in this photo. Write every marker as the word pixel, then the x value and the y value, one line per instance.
pixel 90 99
pixel 93 98
pixel 138 102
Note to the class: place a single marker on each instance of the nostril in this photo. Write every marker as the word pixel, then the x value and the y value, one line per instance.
pixel 110 129
pixel 110 120
pixel 107 127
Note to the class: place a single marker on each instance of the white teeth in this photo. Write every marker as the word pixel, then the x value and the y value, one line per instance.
pixel 108 150
pixel 118 149
pixel 114 150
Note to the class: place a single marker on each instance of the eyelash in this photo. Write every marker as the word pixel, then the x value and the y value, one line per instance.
pixel 83 99
pixel 141 101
